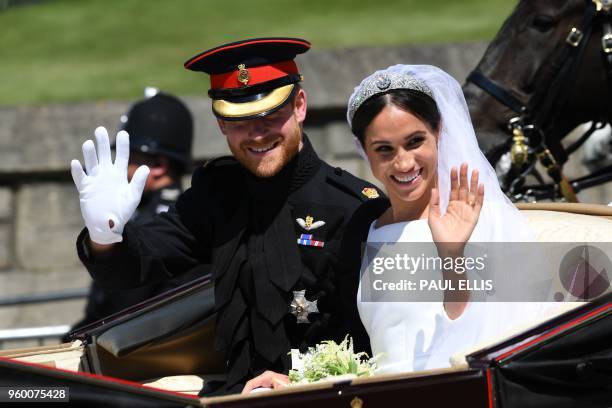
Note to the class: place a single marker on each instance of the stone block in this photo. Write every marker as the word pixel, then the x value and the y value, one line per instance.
pixel 6 203
pixel 208 141
pixel 340 140
pixel 318 137
pixel 46 138
pixel 331 74
pixel 6 246
pixel 48 220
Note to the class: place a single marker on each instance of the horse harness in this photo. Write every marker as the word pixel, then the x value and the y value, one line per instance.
pixel 529 137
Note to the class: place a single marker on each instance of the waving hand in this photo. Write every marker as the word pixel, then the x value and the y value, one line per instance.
pixel 107 199
pixel 456 225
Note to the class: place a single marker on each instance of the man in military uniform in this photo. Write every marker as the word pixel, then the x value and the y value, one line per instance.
pixel 161 131
pixel 280 227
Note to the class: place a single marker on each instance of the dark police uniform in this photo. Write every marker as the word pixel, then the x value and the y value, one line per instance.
pixel 284 251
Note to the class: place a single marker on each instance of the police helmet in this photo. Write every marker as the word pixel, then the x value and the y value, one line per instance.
pixel 160 124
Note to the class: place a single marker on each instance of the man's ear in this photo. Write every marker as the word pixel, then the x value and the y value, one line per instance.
pixel 300 105
pixel 221 124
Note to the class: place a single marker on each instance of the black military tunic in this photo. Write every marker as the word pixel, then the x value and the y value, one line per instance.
pixel 266 239
pixel 103 302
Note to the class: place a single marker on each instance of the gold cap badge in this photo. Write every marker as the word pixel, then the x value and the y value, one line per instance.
pixel 370 192
pixel 243 74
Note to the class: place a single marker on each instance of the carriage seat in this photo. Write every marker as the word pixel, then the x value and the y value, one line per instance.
pixel 569 222
pixel 554 222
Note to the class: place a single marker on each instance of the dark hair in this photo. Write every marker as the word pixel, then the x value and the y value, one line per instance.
pixel 409 100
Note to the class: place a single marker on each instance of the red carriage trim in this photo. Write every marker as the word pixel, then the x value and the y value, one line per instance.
pixel 553 332
pixel 76 374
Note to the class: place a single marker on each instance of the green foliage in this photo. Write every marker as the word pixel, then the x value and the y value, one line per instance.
pixel 70 50
pixel 329 359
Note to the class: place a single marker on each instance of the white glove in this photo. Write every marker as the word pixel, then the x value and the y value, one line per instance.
pixel 107 199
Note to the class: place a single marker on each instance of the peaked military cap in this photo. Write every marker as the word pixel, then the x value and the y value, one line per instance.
pixel 251 78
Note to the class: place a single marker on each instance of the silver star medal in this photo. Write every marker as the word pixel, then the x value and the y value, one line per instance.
pixel 302 307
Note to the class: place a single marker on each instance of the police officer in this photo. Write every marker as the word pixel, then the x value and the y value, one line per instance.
pixel 161 130
pixel 161 133
pixel 279 226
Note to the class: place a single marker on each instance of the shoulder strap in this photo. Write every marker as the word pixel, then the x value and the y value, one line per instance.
pixel 222 163
pixel 352 185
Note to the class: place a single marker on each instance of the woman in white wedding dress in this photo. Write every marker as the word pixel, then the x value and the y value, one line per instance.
pixel 412 124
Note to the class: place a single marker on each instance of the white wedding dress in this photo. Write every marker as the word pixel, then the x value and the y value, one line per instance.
pixel 413 336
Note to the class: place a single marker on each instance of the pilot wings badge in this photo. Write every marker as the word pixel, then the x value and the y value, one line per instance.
pixel 308 223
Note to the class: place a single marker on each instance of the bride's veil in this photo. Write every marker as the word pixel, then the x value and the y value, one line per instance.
pixel 500 220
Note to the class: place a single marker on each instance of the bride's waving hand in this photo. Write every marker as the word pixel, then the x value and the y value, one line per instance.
pixel 456 225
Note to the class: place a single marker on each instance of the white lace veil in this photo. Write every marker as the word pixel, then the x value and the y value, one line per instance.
pixel 500 220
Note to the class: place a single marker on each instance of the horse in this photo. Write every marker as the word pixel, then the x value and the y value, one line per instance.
pixel 548 69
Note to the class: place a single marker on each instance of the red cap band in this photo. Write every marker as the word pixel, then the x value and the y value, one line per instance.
pixel 256 75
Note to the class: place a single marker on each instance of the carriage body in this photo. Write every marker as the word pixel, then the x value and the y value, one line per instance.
pixel 158 353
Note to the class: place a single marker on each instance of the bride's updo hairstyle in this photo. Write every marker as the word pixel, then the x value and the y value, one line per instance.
pixel 416 102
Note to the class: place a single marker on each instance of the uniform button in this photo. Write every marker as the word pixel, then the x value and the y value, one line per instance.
pixel 338 171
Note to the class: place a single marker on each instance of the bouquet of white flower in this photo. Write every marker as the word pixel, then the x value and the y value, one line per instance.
pixel 329 359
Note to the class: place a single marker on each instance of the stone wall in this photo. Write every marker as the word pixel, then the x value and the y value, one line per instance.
pixel 39 214
pixel 39 211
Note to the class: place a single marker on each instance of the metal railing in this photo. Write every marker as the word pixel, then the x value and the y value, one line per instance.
pixel 44 297
pixel 39 334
